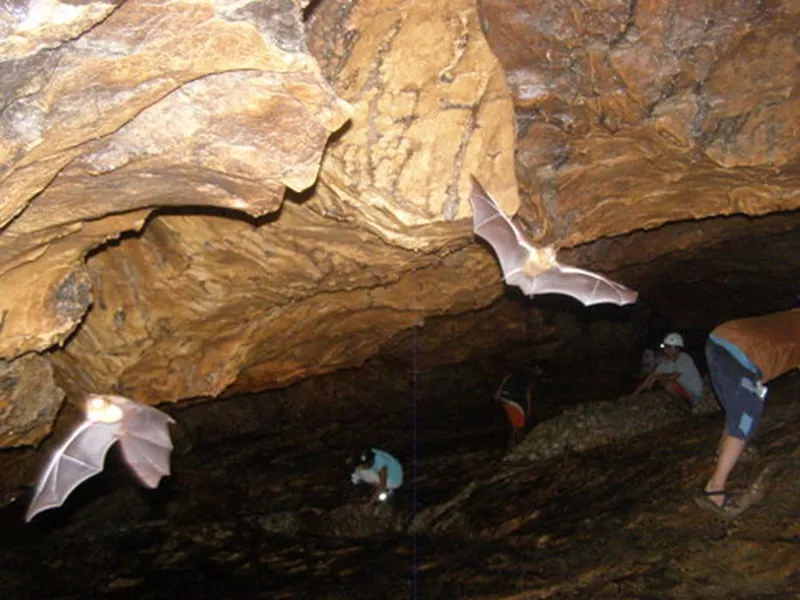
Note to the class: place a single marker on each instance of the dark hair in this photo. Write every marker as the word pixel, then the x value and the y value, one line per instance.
pixel 365 456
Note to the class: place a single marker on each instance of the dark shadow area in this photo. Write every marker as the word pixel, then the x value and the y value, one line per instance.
pixel 262 515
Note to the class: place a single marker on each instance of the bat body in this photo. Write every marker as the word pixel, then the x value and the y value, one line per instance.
pixel 536 270
pixel 143 434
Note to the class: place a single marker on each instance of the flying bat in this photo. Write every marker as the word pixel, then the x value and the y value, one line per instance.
pixel 536 270
pixel 142 432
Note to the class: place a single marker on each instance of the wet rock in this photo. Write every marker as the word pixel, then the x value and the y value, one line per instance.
pixel 612 521
pixel 354 521
pixel 121 583
pixel 597 423
pixel 29 399
pixel 444 516
pixel 282 523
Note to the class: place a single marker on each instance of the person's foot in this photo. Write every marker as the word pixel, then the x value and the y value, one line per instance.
pixel 718 497
pixel 720 503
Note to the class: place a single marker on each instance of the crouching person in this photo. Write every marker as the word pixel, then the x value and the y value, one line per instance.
pixel 515 394
pixel 743 356
pixel 381 470
pixel 675 372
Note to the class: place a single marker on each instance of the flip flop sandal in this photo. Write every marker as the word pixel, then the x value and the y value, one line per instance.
pixel 728 510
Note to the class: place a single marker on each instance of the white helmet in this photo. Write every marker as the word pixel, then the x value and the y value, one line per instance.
pixel 673 339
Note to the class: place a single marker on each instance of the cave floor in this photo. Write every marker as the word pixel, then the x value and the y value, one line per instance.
pixel 614 522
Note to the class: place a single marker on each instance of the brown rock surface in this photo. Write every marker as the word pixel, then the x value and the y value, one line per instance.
pixel 159 104
pixel 146 148
pixel 274 514
pixel 29 399
pixel 671 110
pixel 431 107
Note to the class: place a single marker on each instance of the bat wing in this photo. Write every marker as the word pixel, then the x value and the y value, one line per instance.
pixel 585 286
pixel 81 457
pixel 495 227
pixel 145 441
pixel 513 251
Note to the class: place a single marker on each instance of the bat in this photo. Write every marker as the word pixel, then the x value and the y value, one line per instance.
pixel 143 435
pixel 535 270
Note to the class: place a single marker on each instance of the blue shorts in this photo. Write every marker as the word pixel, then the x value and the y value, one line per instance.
pixel 735 386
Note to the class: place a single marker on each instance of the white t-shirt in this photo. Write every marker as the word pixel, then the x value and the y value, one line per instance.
pixel 689 377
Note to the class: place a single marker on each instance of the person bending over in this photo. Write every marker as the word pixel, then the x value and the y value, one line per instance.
pixel 743 356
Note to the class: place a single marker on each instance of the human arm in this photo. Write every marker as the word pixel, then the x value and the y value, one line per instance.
pixel 646 384
pixel 499 392
pixel 666 377
pixel 656 377
pixel 383 476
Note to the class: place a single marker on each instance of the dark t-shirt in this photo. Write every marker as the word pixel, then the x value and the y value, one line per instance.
pixel 514 388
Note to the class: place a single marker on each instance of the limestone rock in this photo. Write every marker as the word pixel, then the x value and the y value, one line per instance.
pixel 163 104
pixel 595 424
pixel 29 400
pixel 656 103
pixel 431 107
pixel 168 217
pixel 179 325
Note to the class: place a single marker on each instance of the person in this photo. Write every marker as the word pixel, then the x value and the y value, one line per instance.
pixel 743 356
pixel 649 361
pixel 379 469
pixel 675 371
pixel 515 394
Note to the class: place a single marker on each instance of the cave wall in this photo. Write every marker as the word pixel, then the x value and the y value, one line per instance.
pixel 635 114
pixel 127 107
pixel 202 199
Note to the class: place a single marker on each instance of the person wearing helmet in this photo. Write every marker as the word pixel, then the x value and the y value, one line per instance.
pixel 743 355
pixel 675 371
pixel 380 469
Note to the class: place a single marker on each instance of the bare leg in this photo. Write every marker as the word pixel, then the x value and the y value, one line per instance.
pixel 732 448
pixel 721 443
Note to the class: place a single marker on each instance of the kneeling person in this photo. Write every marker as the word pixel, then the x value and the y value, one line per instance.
pixel 380 469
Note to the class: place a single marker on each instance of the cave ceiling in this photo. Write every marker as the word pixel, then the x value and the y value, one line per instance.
pixel 205 198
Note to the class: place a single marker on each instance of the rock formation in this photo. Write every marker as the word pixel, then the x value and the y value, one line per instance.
pixel 206 198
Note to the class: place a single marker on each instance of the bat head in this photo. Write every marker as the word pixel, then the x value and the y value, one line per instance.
pixel 540 260
pixel 101 410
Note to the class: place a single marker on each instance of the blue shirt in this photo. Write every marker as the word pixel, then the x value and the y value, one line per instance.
pixel 394 471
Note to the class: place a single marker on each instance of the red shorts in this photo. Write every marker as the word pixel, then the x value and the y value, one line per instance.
pixel 682 391
pixel 515 413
